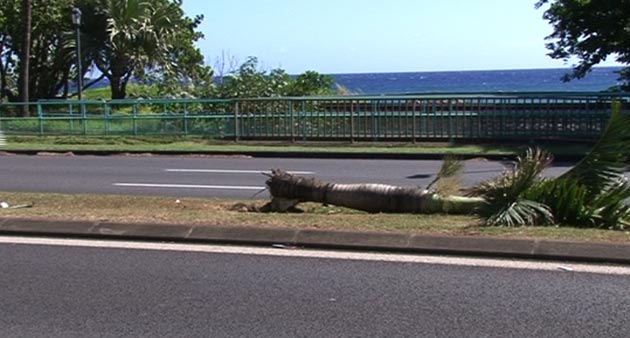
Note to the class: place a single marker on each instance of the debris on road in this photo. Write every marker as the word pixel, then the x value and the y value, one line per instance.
pixel 282 246
pixel 5 205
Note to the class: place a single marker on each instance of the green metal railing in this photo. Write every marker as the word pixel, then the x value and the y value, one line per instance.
pixel 491 116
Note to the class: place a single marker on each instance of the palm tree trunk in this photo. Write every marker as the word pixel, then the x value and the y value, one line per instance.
pixel 3 68
pixel 26 55
pixel 289 190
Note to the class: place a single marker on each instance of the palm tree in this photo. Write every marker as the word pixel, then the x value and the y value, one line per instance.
pixel 130 36
pixel 288 190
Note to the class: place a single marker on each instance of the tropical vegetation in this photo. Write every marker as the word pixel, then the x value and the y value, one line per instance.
pixel 121 40
pixel 151 43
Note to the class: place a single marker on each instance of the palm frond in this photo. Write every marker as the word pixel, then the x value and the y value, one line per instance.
pixel 611 208
pixel 520 212
pixel 447 180
pixel 505 196
pixel 565 199
pixel 595 192
pixel 515 181
pixel 605 164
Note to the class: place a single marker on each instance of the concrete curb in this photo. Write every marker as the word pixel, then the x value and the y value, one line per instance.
pixel 310 238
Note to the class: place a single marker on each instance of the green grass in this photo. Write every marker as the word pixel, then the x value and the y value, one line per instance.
pixel 200 144
pixel 102 93
pixel 216 212
pixel 105 93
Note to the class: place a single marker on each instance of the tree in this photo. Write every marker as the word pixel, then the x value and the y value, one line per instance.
pixel 25 55
pixel 592 31
pixel 225 64
pixel 288 190
pixel 51 49
pixel 311 83
pixel 128 39
pixel 185 74
pixel 250 81
pixel 8 15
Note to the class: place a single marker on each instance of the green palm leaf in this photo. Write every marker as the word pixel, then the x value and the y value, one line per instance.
pixel 518 213
pixel 611 208
pixel 594 193
pixel 506 196
pixel 605 164
pixel 565 199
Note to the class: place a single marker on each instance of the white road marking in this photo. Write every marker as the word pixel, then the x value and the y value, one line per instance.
pixel 190 186
pixel 379 257
pixel 229 171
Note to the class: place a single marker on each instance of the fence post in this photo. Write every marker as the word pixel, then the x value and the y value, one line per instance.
pixel 71 118
pixel 413 122
pixel 302 119
pixel 40 116
pixel 352 121
pixel 292 120
pixel 134 116
pixel 185 119
pixel 236 124
pixel 106 111
pixel 163 119
pixel 374 121
pixel 427 118
pixel 450 121
pixel 83 120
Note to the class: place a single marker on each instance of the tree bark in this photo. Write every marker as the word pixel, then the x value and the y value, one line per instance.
pixel 118 75
pixel 114 83
pixel 3 68
pixel 26 55
pixel 118 85
pixel 289 190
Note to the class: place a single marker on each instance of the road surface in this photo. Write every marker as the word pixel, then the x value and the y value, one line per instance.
pixel 208 176
pixel 67 291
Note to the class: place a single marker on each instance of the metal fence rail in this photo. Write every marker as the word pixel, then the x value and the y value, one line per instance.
pixel 482 116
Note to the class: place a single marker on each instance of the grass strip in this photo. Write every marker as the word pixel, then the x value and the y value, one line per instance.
pixel 217 212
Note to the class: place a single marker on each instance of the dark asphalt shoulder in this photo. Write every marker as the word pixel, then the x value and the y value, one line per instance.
pixel 536 249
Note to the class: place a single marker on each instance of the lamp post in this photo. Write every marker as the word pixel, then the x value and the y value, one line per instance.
pixel 76 20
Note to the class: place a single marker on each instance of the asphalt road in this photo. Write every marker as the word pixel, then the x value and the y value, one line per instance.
pixel 65 292
pixel 208 176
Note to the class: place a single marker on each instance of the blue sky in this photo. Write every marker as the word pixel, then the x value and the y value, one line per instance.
pixel 352 36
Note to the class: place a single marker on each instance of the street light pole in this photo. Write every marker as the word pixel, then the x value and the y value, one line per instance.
pixel 76 20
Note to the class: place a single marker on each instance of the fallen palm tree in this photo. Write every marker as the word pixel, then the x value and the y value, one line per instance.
pixel 594 193
pixel 289 190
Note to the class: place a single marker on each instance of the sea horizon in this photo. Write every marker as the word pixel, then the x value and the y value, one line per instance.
pixel 495 80
pixel 462 81
pixel 566 69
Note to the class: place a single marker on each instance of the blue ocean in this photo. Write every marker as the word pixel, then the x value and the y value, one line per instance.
pixel 527 80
